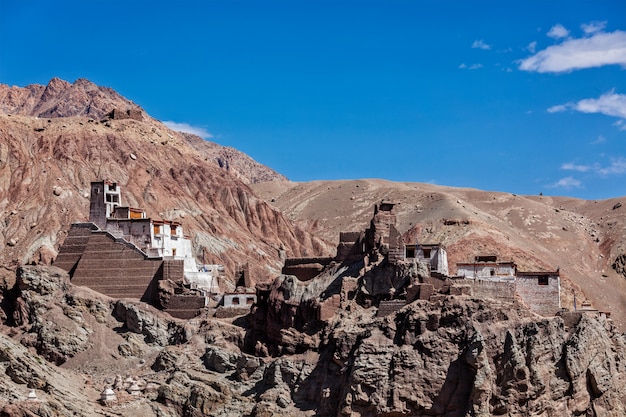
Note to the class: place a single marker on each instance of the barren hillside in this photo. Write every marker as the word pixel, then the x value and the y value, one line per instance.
pixel 83 98
pixel 583 238
pixel 48 163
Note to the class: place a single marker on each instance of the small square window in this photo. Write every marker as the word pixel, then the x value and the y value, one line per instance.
pixel 543 280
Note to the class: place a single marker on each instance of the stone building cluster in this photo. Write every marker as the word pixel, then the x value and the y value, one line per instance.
pixel 121 252
pixel 486 277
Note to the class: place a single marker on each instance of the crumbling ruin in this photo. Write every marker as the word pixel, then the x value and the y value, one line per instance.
pixel 377 268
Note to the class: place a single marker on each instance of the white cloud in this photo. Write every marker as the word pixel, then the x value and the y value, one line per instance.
pixel 471 67
pixel 593 27
pixel 573 167
pixel 620 124
pixel 481 45
pixel 558 31
pixel 532 47
pixel 568 183
pixel 617 167
pixel 599 139
pixel 187 128
pixel 558 108
pixel 593 51
pixel 610 104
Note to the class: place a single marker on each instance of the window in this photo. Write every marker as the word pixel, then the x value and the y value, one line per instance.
pixel 157 229
pixel 426 253
pixel 235 301
pixel 492 272
pixel 410 251
pixel 250 300
pixel 543 280
pixel 173 251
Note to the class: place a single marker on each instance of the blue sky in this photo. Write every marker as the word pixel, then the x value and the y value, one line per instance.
pixel 516 96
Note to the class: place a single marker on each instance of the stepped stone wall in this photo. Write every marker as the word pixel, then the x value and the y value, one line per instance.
pixel 117 269
pixel 74 246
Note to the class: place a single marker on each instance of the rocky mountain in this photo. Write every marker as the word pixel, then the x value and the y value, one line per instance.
pixel 366 336
pixel 83 98
pixel 47 164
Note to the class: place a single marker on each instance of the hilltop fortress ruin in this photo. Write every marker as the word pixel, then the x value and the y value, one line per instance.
pixel 124 254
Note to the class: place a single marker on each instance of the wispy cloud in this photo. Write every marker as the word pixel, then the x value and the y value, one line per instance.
pixel 610 104
pixel 620 124
pixel 558 31
pixel 471 67
pixel 573 167
pixel 480 44
pixel 567 183
pixel 532 47
pixel 596 50
pixel 593 27
pixel 187 128
pixel 600 139
pixel 558 108
pixel 617 167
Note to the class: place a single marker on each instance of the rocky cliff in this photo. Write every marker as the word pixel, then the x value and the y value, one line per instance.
pixel 447 356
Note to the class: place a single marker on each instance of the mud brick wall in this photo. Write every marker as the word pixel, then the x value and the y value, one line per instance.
pixel 419 292
pixel 115 268
pixel 350 246
pixel 74 245
pixel 302 261
pixel 386 308
pixel 495 290
pixel 173 269
pixel 542 299
pixel 185 306
pixel 305 269
pixel 328 308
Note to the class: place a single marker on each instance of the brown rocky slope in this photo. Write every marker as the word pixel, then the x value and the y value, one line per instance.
pixel 48 163
pixel 450 356
pixel 60 98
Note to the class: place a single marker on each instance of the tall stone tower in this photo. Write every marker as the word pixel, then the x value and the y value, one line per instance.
pixel 105 196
